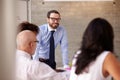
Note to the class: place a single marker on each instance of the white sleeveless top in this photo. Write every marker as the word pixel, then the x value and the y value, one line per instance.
pixel 94 70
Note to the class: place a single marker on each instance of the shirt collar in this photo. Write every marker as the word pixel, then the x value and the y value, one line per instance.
pixel 23 53
pixel 51 29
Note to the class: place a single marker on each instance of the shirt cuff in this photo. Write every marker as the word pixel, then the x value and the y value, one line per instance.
pixel 66 67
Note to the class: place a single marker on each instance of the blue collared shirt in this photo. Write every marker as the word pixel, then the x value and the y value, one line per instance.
pixel 60 37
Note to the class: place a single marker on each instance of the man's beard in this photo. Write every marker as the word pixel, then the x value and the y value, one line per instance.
pixel 54 25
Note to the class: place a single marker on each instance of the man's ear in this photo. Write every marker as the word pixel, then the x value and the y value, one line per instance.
pixel 47 19
pixel 30 44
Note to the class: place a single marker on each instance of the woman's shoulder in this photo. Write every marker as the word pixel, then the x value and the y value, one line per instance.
pixel 111 66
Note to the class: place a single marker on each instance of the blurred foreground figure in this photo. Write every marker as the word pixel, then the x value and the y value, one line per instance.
pixel 28 69
pixel 95 59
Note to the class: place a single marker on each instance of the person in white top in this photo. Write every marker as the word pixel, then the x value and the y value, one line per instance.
pixel 28 69
pixel 95 59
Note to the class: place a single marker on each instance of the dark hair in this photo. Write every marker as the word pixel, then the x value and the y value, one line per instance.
pixel 98 37
pixel 28 26
pixel 52 11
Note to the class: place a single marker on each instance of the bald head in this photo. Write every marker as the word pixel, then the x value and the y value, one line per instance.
pixel 25 41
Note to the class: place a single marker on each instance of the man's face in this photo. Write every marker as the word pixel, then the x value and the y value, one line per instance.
pixel 54 20
pixel 34 43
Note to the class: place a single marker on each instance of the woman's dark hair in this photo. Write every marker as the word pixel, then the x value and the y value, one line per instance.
pixel 98 37
pixel 28 26
pixel 52 11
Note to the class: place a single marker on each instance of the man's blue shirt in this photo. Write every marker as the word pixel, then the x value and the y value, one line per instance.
pixel 60 37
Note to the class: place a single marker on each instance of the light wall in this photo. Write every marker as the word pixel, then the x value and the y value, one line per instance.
pixel 7 39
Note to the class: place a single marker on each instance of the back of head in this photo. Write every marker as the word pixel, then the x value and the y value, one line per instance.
pixel 24 38
pixel 98 35
pixel 28 26
pixel 97 38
